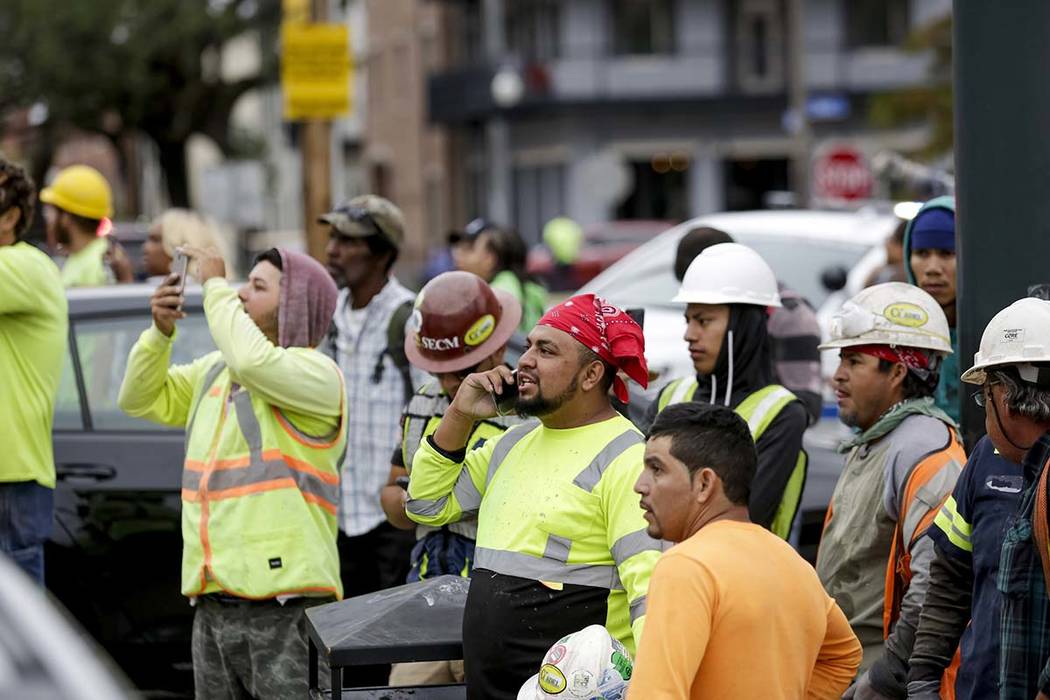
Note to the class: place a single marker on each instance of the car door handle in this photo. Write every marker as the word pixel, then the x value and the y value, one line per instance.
pixel 85 470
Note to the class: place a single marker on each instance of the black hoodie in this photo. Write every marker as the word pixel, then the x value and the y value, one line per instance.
pixel 745 366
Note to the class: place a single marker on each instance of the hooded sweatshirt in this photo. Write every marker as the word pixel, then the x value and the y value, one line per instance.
pixel 745 366
pixel 947 393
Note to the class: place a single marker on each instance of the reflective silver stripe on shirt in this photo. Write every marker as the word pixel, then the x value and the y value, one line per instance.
pixel 466 493
pixel 637 608
pixel 506 443
pixel 635 543
pixel 683 391
pixel 592 473
pixel 557 548
pixel 541 569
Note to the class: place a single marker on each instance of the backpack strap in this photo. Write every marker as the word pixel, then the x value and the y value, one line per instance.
pixel 395 349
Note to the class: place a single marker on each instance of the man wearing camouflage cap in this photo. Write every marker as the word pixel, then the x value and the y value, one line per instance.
pixel 367 341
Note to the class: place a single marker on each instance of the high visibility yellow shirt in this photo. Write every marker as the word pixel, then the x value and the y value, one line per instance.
pixel 87 267
pixel 555 506
pixel 34 324
pixel 266 433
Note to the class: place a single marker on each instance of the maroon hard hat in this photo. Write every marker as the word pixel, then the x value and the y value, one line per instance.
pixel 459 320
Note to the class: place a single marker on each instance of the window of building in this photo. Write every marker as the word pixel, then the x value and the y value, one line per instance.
pixel 660 189
pixel 758 40
pixel 876 22
pixel 532 28
pixel 643 27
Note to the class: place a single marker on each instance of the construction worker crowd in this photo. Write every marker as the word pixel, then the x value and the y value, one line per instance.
pixel 349 435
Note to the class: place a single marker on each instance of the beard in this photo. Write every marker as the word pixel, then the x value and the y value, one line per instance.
pixel 541 405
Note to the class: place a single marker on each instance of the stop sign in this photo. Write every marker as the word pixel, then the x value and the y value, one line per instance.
pixel 842 173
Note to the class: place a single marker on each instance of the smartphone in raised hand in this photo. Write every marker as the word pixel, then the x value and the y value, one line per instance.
pixel 506 403
pixel 179 266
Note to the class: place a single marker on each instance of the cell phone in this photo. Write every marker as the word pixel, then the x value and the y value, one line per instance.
pixel 506 403
pixel 638 315
pixel 178 267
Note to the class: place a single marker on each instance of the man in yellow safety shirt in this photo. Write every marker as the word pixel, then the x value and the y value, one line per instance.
pixel 33 327
pixel 561 540
pixel 265 420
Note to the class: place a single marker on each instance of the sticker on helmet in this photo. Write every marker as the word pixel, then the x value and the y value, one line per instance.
pixel 556 654
pixel 415 321
pixel 552 680
pixel 1013 335
pixel 582 682
pixel 480 331
pixel 906 314
pixel 622 663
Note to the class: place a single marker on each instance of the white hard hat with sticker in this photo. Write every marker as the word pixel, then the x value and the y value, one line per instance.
pixel 586 665
pixel 1019 336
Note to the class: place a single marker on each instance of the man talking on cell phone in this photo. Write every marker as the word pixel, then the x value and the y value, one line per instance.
pixel 561 541
pixel 265 419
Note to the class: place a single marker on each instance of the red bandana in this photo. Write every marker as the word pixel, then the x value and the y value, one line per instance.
pixel 606 330
pixel 898 354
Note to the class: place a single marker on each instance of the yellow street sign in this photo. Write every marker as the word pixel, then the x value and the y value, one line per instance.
pixel 316 71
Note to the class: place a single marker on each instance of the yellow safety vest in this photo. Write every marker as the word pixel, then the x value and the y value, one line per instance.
pixel 759 409
pixel 259 498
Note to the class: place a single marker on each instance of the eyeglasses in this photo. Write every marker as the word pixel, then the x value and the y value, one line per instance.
pixel 979 396
pixel 360 215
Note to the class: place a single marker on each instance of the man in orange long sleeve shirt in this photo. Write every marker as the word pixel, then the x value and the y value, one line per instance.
pixel 733 610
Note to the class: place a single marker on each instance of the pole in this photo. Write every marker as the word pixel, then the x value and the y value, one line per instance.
pixel 799 121
pixel 497 130
pixel 317 165
pixel 1002 158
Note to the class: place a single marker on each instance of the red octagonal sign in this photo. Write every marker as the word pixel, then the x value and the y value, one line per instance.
pixel 842 173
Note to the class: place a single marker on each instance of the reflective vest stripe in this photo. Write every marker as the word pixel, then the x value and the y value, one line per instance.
pixel 634 543
pixel 952 524
pixel 467 496
pixel 557 548
pixel 541 569
pixel 638 608
pixel 592 473
pixel 771 400
pixel 678 391
pixel 209 378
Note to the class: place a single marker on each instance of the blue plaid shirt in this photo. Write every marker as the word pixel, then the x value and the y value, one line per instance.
pixel 1024 670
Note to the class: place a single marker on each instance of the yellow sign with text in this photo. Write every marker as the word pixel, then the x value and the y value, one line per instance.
pixel 316 71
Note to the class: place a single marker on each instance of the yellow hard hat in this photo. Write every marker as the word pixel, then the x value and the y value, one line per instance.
pixel 80 190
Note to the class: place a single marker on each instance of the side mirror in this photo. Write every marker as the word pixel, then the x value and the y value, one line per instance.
pixel 834 278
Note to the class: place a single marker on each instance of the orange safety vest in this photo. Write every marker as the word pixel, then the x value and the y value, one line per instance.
pixel 898 565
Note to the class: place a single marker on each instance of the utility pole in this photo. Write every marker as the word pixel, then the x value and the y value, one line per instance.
pixel 1002 158
pixel 317 164
pixel 798 121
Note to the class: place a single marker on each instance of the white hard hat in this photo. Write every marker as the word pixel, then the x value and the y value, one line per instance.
pixel 893 313
pixel 586 665
pixel 1019 335
pixel 729 273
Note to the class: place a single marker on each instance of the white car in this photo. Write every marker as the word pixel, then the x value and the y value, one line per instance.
pixel 801 246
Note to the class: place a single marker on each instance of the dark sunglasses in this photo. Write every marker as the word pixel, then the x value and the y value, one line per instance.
pixel 359 215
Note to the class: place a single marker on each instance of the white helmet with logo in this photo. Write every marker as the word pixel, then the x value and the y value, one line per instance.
pixel 729 273
pixel 1019 335
pixel 586 665
pixel 893 313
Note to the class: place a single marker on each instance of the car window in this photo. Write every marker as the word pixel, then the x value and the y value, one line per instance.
pixel 103 345
pixel 67 403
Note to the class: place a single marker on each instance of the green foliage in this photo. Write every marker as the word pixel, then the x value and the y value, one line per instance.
pixel 932 104
pixel 147 65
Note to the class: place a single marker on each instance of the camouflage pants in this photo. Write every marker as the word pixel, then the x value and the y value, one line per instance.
pixel 253 650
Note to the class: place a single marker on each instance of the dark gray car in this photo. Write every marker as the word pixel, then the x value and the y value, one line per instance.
pixel 115 554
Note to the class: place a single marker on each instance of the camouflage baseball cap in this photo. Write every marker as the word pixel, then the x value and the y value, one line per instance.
pixel 365 215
